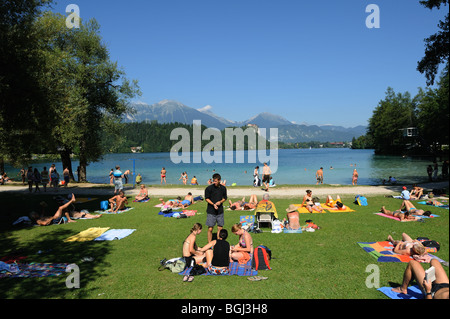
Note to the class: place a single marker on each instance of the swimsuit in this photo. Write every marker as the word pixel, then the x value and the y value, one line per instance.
pixel 435 287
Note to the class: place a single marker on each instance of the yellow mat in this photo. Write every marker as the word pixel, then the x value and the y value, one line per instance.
pixel 304 210
pixel 335 210
pixel 88 234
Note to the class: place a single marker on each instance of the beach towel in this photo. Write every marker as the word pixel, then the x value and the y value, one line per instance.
pixel 87 235
pixel 189 212
pixel 141 201
pixel 398 219
pixel 440 206
pixel 120 211
pixel 382 251
pixel 234 269
pixel 292 231
pixel 266 206
pixel 336 210
pixel 303 210
pixel 247 219
pixel 414 292
pixel 115 234
pixel 35 270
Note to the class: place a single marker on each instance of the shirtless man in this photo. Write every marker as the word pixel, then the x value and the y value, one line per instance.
pixel 398 213
pixel 416 192
pixel 407 246
pixel 319 176
pixel 40 219
pixel 266 176
pixel 118 201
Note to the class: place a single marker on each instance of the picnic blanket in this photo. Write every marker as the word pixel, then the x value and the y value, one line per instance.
pixel 115 234
pixel 234 269
pixel 382 251
pixel 120 211
pixel 414 292
pixel 87 235
pixel 141 200
pixel 35 270
pixel 410 220
pixel 247 219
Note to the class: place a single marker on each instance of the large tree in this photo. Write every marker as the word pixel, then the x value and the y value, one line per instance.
pixel 437 45
pixel 89 92
pixel 393 114
pixel 23 98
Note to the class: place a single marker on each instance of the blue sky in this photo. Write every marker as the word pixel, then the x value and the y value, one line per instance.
pixel 311 62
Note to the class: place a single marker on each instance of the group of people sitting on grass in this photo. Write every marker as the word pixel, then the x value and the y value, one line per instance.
pixel 218 253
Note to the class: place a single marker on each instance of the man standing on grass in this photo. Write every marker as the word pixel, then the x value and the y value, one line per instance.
pixel 215 195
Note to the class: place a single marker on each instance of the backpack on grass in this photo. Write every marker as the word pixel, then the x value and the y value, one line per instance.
pixel 360 200
pixel 175 265
pixel 261 258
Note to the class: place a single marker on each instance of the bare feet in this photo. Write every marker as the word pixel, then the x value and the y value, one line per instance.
pixel 400 290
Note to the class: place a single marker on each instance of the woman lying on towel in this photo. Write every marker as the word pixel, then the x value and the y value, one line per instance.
pixel 309 203
pixel 407 246
pixel 293 218
pixel 243 205
pixel 42 220
pixel 412 210
pixel 143 194
pixel 437 289
pixel 241 252
pixel 399 214
pixel 335 203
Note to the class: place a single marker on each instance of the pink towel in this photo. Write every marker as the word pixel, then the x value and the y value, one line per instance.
pixel 189 212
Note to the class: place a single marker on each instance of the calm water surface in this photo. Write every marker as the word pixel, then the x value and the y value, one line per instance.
pixel 294 167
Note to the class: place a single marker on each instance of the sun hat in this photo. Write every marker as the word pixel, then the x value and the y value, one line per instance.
pixel 291 208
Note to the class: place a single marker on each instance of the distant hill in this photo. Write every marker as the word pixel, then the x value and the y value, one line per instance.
pixel 169 111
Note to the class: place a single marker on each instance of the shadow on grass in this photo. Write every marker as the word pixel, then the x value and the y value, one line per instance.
pixel 50 248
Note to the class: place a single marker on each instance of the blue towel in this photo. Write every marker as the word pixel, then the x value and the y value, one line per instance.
pixel 113 234
pixel 414 292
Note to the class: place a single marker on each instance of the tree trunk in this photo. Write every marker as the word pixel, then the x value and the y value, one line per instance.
pixel 67 162
pixel 83 162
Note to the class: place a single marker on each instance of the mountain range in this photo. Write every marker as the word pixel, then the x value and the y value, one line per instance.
pixel 169 111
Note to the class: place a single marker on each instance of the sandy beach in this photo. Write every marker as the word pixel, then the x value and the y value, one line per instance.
pixel 284 191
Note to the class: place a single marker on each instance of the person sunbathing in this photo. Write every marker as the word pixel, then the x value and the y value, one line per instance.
pixel 438 289
pixel 407 246
pixel 416 192
pixel 118 202
pixel 412 210
pixel 309 203
pixel 143 194
pixel 42 220
pixel 335 203
pixel 293 218
pixel 398 213
pixel 243 205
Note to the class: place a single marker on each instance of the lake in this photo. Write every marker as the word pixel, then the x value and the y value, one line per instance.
pixel 295 166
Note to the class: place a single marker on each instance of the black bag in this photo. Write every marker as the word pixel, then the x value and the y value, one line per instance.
pixel 166 210
pixel 197 270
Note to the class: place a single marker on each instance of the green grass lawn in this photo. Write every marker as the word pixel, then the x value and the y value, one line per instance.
pixel 326 264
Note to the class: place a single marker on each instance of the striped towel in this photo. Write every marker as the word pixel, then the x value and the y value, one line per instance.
pixel 234 269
